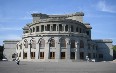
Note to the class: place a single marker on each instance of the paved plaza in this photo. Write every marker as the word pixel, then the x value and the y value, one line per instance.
pixel 57 67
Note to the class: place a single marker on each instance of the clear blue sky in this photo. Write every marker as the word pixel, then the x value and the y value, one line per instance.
pixel 101 14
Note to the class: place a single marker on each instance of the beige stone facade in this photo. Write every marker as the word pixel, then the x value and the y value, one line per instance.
pixel 53 38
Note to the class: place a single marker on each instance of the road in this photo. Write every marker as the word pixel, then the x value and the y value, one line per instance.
pixel 57 67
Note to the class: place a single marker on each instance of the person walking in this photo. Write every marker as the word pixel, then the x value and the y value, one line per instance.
pixel 17 61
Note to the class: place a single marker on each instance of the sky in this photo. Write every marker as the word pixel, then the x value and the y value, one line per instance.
pixel 15 14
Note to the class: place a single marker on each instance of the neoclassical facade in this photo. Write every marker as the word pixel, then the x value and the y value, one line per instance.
pixel 53 38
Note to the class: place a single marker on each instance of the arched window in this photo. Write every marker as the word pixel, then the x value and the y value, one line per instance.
pixel 72 28
pixel 81 44
pixel 33 44
pixel 52 43
pixel 26 43
pixel 42 43
pixel 62 42
pixel 20 46
pixel 72 43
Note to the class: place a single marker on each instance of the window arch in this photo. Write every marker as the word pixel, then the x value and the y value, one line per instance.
pixel 52 43
pixel 62 42
pixel 72 43
pixel 42 43
pixel 81 44
pixel 26 43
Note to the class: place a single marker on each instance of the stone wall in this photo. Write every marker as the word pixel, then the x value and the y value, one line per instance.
pixel 9 49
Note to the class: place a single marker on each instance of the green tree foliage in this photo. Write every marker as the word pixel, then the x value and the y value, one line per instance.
pixel 114 48
pixel 1 48
pixel 1 52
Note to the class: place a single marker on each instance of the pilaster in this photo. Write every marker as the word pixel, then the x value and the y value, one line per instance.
pixel 29 50
pixel 47 49
pixel 37 50
pixel 58 49
pixel 22 51
pixel 68 49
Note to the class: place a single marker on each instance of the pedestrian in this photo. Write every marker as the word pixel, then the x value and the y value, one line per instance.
pixel 17 61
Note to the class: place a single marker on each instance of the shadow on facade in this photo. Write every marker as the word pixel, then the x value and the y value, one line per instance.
pixel 105 52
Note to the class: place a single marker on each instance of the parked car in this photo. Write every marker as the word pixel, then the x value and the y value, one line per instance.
pixel 4 60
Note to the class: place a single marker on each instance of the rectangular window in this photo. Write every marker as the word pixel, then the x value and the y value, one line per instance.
pixel 41 55
pixel 87 32
pixel 93 55
pixel 73 44
pixel 32 55
pixel 77 29
pixel 54 27
pixel 81 55
pixel 37 28
pixel 48 27
pixel 80 30
pixel 101 56
pixel 52 55
pixel 66 28
pixel 89 55
pixel 72 55
pixel 62 55
pixel 42 28
pixel 60 27
pixel 25 55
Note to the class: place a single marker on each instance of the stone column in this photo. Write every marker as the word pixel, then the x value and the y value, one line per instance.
pixel 22 51
pixel 37 50
pixel 29 50
pixel 85 48
pixel 57 27
pixel 47 49
pixel 45 27
pixel 40 28
pixel 68 50
pixel 51 27
pixel 64 27
pixel 69 28
pixel 78 52
pixel 58 49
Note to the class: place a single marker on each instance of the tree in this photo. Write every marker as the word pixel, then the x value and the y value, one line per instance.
pixel 114 48
pixel 1 52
